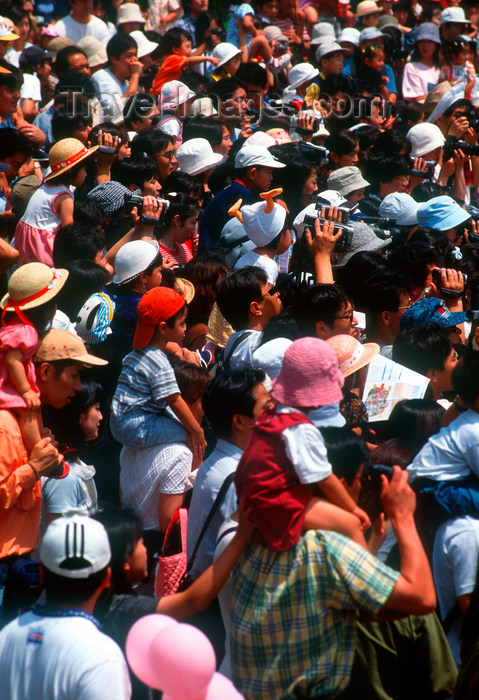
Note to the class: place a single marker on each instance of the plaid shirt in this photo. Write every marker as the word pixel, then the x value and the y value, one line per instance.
pixel 293 615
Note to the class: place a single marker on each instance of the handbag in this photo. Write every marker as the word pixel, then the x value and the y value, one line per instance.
pixel 171 568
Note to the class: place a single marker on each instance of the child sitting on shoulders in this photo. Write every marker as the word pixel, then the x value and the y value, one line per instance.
pixel 285 466
pixel 28 309
pixel 456 67
pixel 177 52
pixel 268 226
pixel 147 386
pixel 373 71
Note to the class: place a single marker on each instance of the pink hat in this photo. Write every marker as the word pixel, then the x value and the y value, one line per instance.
pixel 351 354
pixel 309 375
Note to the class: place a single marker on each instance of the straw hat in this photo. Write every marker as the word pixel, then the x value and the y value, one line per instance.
pixel 351 354
pixel 186 289
pixel 65 154
pixel 32 285
pixel 367 7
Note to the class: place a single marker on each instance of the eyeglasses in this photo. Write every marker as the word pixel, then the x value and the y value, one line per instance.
pixel 348 316
pixel 409 304
pixel 168 155
pixel 402 178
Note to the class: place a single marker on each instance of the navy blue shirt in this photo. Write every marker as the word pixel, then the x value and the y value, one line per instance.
pixel 216 214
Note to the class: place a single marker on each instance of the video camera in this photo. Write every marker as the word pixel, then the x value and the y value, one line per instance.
pixel 346 210
pixel 315 126
pixel 135 200
pixel 385 228
pixel 318 155
pixel 424 174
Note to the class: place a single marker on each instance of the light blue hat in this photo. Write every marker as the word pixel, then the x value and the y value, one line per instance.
pixel 441 213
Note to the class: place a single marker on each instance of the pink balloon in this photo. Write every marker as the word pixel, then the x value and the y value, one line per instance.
pixel 220 688
pixel 183 660
pixel 138 643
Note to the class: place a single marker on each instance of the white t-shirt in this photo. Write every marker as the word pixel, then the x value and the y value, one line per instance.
pixel 418 80
pixel 62 657
pixel 31 88
pixel 75 31
pixel 110 91
pixel 262 261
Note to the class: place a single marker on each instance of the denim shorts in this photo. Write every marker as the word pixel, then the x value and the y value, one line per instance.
pixel 141 429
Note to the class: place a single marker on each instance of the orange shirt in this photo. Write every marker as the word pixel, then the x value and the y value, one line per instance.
pixel 170 69
pixel 20 492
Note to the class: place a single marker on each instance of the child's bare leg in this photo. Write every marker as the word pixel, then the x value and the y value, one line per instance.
pixel 259 45
pixel 311 17
pixel 323 515
pixel 29 426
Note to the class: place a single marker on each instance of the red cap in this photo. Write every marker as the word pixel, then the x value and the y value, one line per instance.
pixel 157 305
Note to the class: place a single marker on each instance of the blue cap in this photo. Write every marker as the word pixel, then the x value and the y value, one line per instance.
pixel 441 213
pixel 431 310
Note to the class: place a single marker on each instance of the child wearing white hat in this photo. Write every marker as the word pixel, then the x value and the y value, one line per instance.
pixel 265 223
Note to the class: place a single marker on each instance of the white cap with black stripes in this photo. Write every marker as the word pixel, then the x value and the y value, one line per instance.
pixel 75 546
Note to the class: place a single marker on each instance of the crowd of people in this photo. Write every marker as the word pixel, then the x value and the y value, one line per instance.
pixel 220 222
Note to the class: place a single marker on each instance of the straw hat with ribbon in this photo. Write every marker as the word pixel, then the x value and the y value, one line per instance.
pixel 32 285
pixel 65 154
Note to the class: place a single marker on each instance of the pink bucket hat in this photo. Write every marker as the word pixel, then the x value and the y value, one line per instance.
pixel 309 375
pixel 351 354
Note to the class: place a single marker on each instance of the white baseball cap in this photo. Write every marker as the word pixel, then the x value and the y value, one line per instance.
pixel 145 46
pixel 75 546
pixel 132 259
pixel 400 207
pixel 302 73
pixel 196 155
pixel 248 156
pixel 225 52
pixel 455 15
pixel 260 138
pixel 173 94
pixel 424 138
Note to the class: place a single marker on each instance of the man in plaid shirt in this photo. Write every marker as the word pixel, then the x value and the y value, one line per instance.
pixel 294 612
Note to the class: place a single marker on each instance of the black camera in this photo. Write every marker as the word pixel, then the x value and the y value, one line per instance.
pixel 454 144
pixel 342 244
pixel 315 125
pixel 135 200
pixel 318 155
pixel 425 174
pixel 220 33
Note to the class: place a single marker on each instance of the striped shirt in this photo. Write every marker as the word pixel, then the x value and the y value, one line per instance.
pixel 293 623
pixel 180 256
pixel 146 380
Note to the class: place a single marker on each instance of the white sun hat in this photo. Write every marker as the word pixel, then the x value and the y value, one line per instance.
pixel 225 52
pixel 302 73
pixel 173 94
pixel 145 46
pixel 129 12
pixel 196 155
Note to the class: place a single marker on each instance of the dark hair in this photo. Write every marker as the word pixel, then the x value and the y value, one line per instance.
pixel 465 377
pixel 134 170
pixel 204 271
pixel 124 529
pixel 253 73
pixel 181 205
pixel 230 393
pixel 412 262
pixel 346 452
pixel 40 316
pixel 458 104
pixel 191 379
pixel 72 591
pixel 237 290
pixel 382 292
pixel 75 82
pixel 203 23
pixel 359 268
pixel 405 5
pixel 77 241
pixel 137 107
pixel 224 88
pixel 16 14
pixel 321 302
pixel 64 123
pixel 84 279
pixel 441 244
pixel 118 44
pixel 392 141
pixel 292 179
pixel 27 64
pixel 173 39
pixel 65 422
pixel 204 128
pixel 87 211
pixel 178 181
pixel 170 322
pixel 13 141
pixel 108 128
pixel 150 142
pixel 62 59
pixel 12 80
pixel 384 167
pixel 283 325
pixel 341 142
pixel 413 421
pixel 422 348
